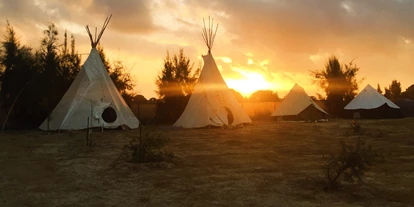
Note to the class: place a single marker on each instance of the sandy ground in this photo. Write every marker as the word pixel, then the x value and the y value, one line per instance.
pixel 266 164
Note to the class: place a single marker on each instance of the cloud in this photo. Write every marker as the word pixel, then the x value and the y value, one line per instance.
pixel 283 37
pixel 298 35
pixel 128 16
pixel 299 26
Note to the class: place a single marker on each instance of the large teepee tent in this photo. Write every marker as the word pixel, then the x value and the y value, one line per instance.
pixel 211 103
pixel 298 106
pixel 92 100
pixel 369 104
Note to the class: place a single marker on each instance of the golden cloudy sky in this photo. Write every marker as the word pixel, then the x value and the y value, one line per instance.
pixel 260 44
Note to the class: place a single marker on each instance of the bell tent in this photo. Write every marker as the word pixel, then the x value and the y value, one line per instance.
pixel 370 104
pixel 211 102
pixel 298 106
pixel 92 100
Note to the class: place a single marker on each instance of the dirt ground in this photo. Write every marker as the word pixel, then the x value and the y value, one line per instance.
pixel 265 164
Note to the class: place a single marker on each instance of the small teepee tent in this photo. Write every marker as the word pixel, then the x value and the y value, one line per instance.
pixel 211 102
pixel 298 106
pixel 92 100
pixel 369 104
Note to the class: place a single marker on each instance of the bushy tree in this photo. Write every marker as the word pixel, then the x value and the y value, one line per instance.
pixel 121 78
pixel 176 77
pixel 339 83
pixel 264 96
pixel 140 99
pixel 393 92
pixel 408 93
pixel 175 84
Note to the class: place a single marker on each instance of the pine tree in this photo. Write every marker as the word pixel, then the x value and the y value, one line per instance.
pixel 175 79
pixel 175 84
pixel 17 62
pixel 49 61
pixel 393 92
pixel 8 59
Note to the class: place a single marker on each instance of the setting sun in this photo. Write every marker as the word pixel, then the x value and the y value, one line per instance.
pixel 251 82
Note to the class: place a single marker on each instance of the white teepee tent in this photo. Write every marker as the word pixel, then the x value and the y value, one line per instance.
pixel 92 100
pixel 297 105
pixel 211 103
pixel 369 103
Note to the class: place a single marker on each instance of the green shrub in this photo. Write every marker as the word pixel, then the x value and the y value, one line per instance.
pixel 149 148
pixel 350 163
pixel 146 147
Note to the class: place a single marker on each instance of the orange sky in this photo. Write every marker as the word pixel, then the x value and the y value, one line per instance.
pixel 259 44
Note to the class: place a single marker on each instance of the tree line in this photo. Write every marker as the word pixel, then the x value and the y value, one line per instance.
pixel 394 91
pixel 338 81
pixel 33 80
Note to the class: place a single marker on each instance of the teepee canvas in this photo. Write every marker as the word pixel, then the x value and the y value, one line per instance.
pixel 370 104
pixel 211 102
pixel 298 106
pixel 92 100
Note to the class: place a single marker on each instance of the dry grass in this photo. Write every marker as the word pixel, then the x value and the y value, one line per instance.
pixel 267 164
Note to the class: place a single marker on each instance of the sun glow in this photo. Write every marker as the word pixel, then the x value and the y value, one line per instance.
pixel 252 82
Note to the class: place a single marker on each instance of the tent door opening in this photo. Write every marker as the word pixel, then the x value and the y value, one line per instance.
pixel 109 115
pixel 230 117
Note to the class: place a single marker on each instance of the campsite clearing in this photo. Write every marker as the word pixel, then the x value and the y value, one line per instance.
pixel 265 164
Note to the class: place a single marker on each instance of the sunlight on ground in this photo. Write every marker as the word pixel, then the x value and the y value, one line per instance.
pixel 264 164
